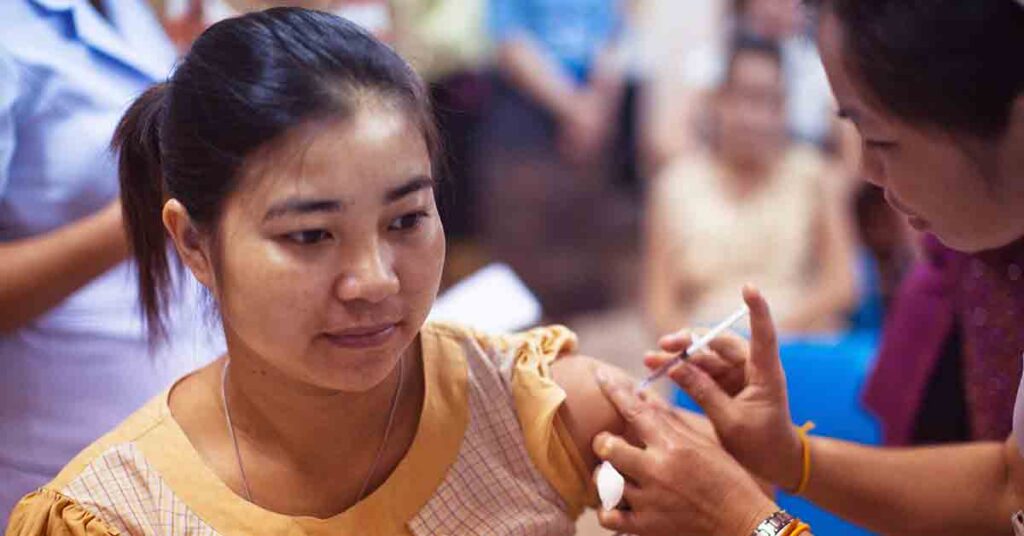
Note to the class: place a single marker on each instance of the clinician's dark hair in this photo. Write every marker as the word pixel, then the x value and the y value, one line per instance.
pixel 245 83
pixel 953 64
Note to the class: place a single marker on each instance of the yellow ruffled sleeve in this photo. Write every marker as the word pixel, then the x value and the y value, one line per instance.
pixel 537 400
pixel 48 512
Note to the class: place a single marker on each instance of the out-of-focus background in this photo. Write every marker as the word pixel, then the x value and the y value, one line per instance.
pixel 625 166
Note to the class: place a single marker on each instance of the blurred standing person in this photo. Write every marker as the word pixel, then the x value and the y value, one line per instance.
pixel 72 344
pixel 755 207
pixel 809 118
pixel 552 115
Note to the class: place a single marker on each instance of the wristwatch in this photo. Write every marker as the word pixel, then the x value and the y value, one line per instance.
pixel 775 525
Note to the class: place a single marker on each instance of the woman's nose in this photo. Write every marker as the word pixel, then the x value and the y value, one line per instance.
pixel 370 278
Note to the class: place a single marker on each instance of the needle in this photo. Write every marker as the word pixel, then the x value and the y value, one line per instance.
pixel 696 346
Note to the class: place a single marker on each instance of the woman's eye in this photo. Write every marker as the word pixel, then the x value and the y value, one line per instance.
pixel 308 237
pixel 407 222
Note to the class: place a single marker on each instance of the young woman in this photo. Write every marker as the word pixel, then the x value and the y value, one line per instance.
pixel 290 159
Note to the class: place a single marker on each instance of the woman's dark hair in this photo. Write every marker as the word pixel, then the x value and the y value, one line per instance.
pixel 953 64
pixel 245 83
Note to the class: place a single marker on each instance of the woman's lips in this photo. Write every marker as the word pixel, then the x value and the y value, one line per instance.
pixel 362 337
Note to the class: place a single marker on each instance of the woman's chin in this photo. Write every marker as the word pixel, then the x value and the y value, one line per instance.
pixel 351 379
pixel 353 370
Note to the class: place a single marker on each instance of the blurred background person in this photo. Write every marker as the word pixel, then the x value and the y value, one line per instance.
pixel 73 348
pixel 446 42
pixel 545 148
pixel 699 70
pixel 754 207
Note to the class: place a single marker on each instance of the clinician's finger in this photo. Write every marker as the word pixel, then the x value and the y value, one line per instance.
pixel 765 366
pixel 621 521
pixel 631 461
pixel 638 414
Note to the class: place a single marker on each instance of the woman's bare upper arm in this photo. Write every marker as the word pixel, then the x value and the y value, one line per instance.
pixel 586 411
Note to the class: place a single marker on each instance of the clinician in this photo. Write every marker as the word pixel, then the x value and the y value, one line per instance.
pixel 936 90
pixel 73 352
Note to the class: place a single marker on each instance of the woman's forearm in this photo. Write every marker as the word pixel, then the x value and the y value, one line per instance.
pixel 955 490
pixel 38 273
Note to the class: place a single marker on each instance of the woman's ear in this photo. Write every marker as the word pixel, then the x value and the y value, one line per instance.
pixel 193 250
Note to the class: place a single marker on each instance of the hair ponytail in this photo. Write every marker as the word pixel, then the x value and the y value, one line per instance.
pixel 137 143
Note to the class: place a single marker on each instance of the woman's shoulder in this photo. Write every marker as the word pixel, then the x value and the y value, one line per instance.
pixel 47 511
pixel 552 340
pixel 137 425
pixel 101 478
pixel 552 390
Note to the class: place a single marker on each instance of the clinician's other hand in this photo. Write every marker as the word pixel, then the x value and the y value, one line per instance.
pixel 751 416
pixel 681 481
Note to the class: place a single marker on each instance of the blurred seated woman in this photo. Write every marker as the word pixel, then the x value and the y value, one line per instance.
pixel 290 160
pixel 754 207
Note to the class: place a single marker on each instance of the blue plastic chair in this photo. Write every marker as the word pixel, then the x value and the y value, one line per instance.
pixel 825 376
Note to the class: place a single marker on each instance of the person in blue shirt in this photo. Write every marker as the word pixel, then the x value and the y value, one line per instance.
pixel 548 143
pixel 72 343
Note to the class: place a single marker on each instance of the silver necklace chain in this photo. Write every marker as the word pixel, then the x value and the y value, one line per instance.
pixel 380 450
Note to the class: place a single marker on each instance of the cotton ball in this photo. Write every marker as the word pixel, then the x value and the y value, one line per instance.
pixel 610 486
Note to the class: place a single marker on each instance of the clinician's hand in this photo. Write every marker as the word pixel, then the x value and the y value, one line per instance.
pixel 681 482
pixel 751 417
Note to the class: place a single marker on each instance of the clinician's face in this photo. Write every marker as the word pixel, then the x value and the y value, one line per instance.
pixel 968 192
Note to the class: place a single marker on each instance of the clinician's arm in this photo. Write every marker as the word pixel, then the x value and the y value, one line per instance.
pixel 955 490
pixel 39 272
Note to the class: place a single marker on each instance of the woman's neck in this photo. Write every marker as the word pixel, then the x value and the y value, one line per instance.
pixel 270 407
pixel 303 450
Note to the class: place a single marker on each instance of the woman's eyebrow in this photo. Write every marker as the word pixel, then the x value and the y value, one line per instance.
pixel 296 205
pixel 414 185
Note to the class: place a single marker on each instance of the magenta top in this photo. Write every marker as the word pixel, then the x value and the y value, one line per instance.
pixel 982 295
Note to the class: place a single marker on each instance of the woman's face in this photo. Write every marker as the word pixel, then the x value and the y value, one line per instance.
pixel 331 250
pixel 751 109
pixel 969 193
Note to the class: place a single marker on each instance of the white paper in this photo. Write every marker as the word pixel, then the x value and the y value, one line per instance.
pixel 493 299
